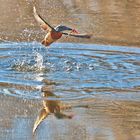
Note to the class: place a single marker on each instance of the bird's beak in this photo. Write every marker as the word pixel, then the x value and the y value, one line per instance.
pixel 74 31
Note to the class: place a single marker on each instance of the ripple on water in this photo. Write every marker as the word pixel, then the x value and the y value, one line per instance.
pixel 73 71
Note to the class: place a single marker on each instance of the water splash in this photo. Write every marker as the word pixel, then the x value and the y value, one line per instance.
pixel 29 62
pixel 76 68
pixel 39 61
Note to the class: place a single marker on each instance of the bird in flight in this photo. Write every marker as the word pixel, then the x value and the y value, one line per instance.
pixel 55 33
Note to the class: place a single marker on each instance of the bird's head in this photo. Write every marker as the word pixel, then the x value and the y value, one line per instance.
pixel 61 28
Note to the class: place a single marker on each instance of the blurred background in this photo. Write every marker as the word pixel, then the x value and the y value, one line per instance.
pixel 110 21
pixel 103 80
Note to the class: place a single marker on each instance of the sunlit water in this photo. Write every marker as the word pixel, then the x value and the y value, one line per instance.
pixel 106 78
pixel 76 70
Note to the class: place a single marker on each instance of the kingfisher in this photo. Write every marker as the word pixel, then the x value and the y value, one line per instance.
pixel 55 33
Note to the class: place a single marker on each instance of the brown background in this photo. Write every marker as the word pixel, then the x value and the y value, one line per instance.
pixel 110 21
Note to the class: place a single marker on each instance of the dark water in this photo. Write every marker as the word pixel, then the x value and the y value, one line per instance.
pixel 104 81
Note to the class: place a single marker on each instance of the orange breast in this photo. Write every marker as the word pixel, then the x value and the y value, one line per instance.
pixel 56 35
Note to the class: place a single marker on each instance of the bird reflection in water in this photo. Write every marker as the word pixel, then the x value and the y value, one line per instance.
pixel 54 107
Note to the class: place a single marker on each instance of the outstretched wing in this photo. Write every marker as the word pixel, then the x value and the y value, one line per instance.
pixel 43 114
pixel 88 36
pixel 44 25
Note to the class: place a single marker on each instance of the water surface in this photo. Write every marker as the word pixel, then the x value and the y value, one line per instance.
pixel 104 81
